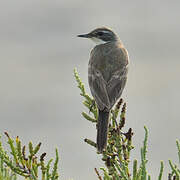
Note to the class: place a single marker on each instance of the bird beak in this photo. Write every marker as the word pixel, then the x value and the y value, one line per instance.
pixel 84 36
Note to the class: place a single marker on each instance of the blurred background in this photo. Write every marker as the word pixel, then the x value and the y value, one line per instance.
pixel 39 100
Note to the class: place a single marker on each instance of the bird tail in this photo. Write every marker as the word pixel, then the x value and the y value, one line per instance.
pixel 102 130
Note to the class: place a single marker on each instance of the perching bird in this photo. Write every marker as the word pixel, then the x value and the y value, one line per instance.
pixel 107 75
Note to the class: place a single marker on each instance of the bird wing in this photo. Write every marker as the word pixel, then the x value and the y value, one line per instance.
pixel 116 85
pixel 98 89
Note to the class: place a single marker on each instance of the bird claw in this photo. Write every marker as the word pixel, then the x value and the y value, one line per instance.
pixel 92 105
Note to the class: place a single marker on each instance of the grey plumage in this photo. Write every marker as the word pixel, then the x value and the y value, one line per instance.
pixel 107 76
pixel 107 73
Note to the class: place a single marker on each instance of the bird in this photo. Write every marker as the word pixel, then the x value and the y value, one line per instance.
pixel 107 76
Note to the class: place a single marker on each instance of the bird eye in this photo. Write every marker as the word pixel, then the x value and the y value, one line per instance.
pixel 100 33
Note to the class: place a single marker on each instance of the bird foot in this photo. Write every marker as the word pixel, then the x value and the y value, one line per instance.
pixel 92 105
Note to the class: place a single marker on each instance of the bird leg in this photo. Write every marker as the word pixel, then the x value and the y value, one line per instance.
pixel 92 105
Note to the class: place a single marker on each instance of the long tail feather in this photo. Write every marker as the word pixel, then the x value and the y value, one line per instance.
pixel 102 130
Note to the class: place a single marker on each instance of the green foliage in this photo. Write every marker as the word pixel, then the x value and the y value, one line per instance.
pixel 88 102
pixel 175 174
pixel 28 165
pixel 5 172
pixel 116 157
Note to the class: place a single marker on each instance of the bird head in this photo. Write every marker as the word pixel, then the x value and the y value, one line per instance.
pixel 101 35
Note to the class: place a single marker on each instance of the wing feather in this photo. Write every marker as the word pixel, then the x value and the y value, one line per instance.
pixel 98 87
pixel 116 85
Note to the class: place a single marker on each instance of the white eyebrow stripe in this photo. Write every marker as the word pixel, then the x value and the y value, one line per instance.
pixel 105 31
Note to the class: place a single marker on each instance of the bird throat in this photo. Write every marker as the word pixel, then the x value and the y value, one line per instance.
pixel 98 41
